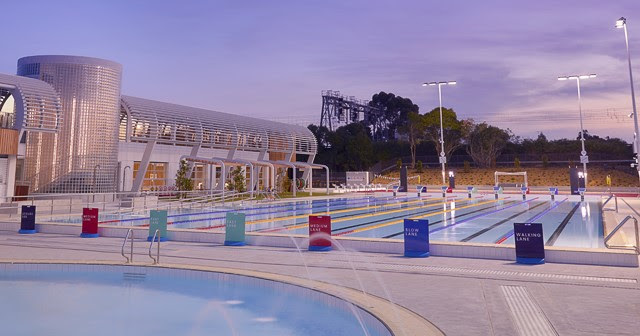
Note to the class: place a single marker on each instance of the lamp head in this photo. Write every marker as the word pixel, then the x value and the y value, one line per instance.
pixel 621 22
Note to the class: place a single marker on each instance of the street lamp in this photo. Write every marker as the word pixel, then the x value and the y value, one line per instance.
pixel 622 23
pixel 584 159
pixel 443 158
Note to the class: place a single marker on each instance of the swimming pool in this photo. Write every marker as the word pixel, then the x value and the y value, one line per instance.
pixel 567 221
pixel 53 299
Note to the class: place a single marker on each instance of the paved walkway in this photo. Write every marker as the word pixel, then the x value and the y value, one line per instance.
pixel 461 296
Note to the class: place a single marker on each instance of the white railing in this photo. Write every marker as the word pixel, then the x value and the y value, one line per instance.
pixel 54 206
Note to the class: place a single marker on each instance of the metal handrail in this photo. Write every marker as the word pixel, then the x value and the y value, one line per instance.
pixel 129 259
pixel 607 201
pixel 157 259
pixel 617 228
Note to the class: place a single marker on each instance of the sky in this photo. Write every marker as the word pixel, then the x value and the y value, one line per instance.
pixel 272 59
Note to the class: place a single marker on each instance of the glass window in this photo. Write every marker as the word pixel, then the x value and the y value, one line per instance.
pixel 155 178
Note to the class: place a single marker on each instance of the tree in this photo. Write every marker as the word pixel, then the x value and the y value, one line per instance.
pixel 413 129
pixel 238 178
pixel 486 142
pixel 454 130
pixel 393 112
pixel 352 147
pixel 183 182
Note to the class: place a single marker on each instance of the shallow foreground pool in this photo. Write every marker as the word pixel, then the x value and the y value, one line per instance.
pixel 120 300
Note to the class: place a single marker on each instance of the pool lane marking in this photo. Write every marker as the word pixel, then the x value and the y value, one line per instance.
pixel 441 220
pixel 402 215
pixel 377 226
pixel 300 226
pixel 278 219
pixel 560 228
pixel 491 227
pixel 341 207
pixel 294 226
pixel 510 233
pixel 335 218
pixel 273 206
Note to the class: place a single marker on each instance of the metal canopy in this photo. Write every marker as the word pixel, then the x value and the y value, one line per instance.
pixel 145 120
pixel 37 103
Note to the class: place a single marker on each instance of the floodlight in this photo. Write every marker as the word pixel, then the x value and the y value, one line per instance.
pixel 562 78
pixel 621 22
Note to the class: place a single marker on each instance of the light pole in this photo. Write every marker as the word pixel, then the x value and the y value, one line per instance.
pixel 443 158
pixel 584 159
pixel 622 23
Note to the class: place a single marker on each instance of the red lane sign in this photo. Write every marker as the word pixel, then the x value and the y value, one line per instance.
pixel 319 230
pixel 89 223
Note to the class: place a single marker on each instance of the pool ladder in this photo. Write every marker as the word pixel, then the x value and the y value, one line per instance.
pixel 607 201
pixel 156 260
pixel 129 234
pixel 617 228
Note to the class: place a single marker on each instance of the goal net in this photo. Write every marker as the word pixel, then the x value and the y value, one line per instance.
pixel 511 179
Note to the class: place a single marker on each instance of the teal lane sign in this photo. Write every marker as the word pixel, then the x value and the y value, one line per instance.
pixel 158 221
pixel 234 229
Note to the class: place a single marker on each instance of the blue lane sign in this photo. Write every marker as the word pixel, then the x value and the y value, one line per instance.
pixel 582 190
pixel 553 191
pixel 529 243
pixel 416 238
pixel 28 219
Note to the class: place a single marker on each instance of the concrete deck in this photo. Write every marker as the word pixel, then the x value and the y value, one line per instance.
pixel 460 296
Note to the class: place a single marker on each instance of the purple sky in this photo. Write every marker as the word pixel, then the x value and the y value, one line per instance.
pixel 271 59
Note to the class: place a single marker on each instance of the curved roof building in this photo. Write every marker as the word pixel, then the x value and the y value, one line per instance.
pixel 82 135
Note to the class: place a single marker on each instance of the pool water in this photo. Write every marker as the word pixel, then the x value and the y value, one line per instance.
pixel 567 221
pixel 111 303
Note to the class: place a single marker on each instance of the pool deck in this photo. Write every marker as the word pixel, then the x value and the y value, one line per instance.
pixel 460 296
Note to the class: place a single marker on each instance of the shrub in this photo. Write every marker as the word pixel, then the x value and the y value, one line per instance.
pixel 419 167
pixel 516 163
pixel 399 164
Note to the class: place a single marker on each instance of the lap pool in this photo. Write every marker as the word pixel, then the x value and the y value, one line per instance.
pixel 53 299
pixel 567 221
